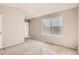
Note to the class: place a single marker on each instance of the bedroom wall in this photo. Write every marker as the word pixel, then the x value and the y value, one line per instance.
pixel 78 29
pixel 69 38
pixel 13 25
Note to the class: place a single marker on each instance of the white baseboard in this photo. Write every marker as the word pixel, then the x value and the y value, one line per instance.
pixel 12 44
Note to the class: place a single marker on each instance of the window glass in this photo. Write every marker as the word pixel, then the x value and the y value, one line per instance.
pixel 52 26
pixel 46 26
pixel 57 24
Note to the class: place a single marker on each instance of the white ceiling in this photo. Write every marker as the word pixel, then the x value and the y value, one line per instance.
pixel 39 9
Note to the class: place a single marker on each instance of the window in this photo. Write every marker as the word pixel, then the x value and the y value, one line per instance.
pixel 46 27
pixel 52 26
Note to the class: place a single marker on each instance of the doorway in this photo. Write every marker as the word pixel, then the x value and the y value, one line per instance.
pixel 26 28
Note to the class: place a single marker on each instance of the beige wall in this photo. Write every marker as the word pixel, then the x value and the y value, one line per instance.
pixel 13 25
pixel 78 29
pixel 69 38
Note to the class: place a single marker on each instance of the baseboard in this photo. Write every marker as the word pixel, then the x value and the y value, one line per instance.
pixel 55 44
pixel 12 44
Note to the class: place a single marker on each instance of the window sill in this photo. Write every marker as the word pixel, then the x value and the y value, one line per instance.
pixel 51 35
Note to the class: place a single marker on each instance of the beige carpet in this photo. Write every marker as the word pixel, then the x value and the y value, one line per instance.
pixel 34 47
